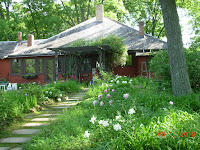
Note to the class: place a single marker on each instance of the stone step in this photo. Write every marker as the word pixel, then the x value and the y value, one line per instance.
pixel 66 104
pixel 35 124
pixel 26 131
pixel 47 115
pixel 43 119
pixel 61 107
pixel 4 148
pixel 17 148
pixel 15 139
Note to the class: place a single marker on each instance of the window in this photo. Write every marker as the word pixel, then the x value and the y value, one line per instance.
pixel 86 65
pixel 68 65
pixel 29 66
pixel 16 66
pixel 39 65
pixel 59 64
pixel 129 61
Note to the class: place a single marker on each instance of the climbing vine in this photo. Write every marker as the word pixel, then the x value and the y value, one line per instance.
pixel 114 57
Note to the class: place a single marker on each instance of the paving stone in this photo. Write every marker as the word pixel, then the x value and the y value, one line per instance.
pixel 43 119
pixel 4 148
pixel 47 115
pixel 35 124
pixel 26 131
pixel 61 107
pixel 72 99
pixel 17 148
pixel 65 104
pixel 15 140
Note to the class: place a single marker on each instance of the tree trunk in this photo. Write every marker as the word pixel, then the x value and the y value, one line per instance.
pixel 1 12
pixel 179 73
pixel 34 22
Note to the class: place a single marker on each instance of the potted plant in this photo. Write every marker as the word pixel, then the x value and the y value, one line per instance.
pixel 29 76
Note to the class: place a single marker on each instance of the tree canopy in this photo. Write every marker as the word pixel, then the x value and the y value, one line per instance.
pixel 45 18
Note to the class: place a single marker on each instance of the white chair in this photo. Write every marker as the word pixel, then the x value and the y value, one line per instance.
pixel 2 87
pixel 14 86
pixel 9 87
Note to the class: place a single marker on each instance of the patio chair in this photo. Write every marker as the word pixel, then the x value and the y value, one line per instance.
pixel 9 88
pixel 14 86
pixel 3 86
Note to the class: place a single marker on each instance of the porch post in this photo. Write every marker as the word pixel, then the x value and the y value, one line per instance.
pixel 104 61
pixel 100 59
pixel 65 70
pixel 56 64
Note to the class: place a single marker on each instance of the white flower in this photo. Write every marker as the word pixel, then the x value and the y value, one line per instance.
pixel 50 92
pixel 46 92
pixel 101 121
pixel 105 123
pixel 59 99
pixel 117 81
pixel 117 117
pixel 60 95
pixel 117 127
pixel 106 85
pixel 131 111
pixel 171 103
pixel 93 119
pixel 124 81
pixel 111 80
pixel 86 135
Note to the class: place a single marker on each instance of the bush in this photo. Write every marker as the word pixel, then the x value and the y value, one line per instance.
pixel 161 68
pixel 146 119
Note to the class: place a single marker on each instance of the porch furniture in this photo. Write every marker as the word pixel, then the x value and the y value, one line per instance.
pixel 3 86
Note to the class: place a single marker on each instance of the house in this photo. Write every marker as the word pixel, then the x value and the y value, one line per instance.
pixel 49 59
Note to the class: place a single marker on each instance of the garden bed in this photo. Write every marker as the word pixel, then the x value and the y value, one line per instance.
pixel 119 114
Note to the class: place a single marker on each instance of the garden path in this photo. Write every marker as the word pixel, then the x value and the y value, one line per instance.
pixel 36 123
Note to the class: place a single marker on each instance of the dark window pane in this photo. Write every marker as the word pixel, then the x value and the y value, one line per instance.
pixel 49 70
pixel 30 66
pixel 68 66
pixel 16 66
pixel 40 65
pixel 86 65
pixel 59 64
pixel 129 61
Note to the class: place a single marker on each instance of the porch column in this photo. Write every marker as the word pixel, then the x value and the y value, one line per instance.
pixel 56 64
pixel 101 59
pixel 65 70
pixel 104 60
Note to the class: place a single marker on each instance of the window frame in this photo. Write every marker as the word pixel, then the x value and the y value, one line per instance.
pixel 132 55
pixel 21 68
pixel 26 66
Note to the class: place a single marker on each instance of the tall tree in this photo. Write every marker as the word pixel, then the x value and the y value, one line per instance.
pixel 179 73
pixel 148 11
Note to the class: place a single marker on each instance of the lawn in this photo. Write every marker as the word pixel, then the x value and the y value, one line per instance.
pixel 124 113
pixel 30 98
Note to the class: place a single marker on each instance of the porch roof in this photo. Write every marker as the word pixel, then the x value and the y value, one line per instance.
pixel 82 49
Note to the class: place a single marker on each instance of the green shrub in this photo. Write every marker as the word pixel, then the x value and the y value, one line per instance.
pixel 116 56
pixel 154 116
pixel 161 68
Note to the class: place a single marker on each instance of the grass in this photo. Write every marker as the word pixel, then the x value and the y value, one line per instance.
pixel 156 124
pixel 14 105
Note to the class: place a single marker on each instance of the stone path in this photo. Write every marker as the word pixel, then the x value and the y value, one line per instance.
pixel 25 132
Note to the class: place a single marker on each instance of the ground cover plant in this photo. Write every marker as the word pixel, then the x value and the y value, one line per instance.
pixel 124 113
pixel 161 68
pixel 32 97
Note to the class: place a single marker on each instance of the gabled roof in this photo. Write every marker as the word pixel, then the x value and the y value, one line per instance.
pixel 10 47
pixel 92 29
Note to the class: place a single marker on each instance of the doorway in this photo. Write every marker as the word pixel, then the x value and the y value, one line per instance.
pixel 49 70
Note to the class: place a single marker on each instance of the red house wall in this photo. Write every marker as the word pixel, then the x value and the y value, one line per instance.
pixel 4 69
pixel 19 79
